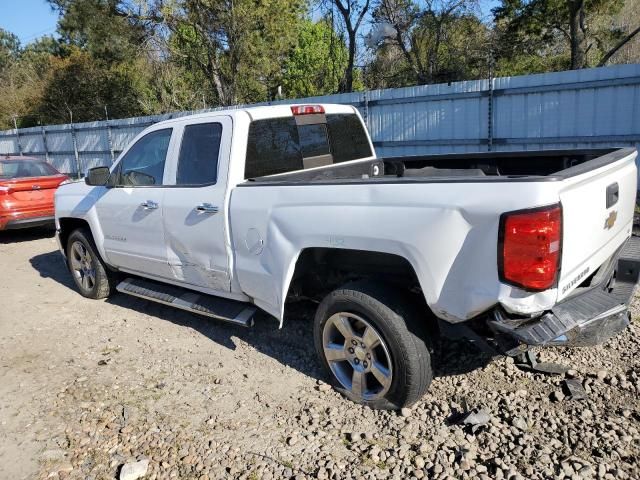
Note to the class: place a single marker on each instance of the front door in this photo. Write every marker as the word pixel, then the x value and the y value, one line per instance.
pixel 130 210
pixel 194 206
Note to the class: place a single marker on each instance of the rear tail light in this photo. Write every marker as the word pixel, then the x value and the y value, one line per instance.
pixel 529 248
pixel 307 109
pixel 5 190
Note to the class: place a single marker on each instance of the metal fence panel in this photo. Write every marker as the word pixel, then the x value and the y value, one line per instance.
pixel 597 107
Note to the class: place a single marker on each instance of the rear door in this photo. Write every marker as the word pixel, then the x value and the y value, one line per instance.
pixel 130 213
pixel 597 213
pixel 195 220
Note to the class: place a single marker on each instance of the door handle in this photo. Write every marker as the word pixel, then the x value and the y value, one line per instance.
pixel 149 205
pixel 612 194
pixel 207 208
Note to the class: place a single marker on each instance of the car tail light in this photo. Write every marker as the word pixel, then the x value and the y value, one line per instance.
pixel 5 190
pixel 529 248
pixel 307 109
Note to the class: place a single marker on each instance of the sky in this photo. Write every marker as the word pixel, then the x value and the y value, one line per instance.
pixel 28 19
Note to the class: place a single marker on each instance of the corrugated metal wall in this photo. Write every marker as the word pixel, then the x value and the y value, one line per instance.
pixel 577 109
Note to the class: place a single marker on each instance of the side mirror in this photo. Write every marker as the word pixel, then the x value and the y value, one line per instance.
pixel 97 177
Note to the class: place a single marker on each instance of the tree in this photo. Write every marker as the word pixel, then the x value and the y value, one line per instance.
pixel 317 63
pixel 352 13
pixel 9 49
pixel 439 41
pixel 111 31
pixel 568 25
pixel 237 46
pixel 80 88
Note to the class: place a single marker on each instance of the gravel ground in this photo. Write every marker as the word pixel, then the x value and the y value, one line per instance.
pixel 88 386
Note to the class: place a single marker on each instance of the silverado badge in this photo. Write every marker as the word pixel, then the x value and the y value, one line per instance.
pixel 611 219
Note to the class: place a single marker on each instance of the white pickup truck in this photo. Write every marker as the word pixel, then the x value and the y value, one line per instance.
pixel 233 213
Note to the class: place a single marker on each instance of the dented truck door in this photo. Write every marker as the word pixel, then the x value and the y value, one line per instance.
pixel 194 215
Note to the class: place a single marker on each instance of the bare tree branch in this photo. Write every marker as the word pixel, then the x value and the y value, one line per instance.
pixel 619 45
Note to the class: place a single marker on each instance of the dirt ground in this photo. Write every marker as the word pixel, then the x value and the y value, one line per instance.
pixel 87 386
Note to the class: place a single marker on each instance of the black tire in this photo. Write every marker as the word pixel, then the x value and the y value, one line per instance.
pixel 403 325
pixel 104 280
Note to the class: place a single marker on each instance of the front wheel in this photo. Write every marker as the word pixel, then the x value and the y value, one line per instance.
pixel 89 272
pixel 373 341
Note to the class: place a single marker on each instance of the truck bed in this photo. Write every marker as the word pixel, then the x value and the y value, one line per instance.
pixel 544 165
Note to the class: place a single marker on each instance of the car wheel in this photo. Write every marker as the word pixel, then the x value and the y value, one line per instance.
pixel 89 272
pixel 373 340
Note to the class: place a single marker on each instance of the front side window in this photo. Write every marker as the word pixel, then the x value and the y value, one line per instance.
pixel 198 161
pixel 143 164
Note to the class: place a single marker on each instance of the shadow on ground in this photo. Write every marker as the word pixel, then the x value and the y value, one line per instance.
pixel 292 345
pixel 25 235
pixel 51 265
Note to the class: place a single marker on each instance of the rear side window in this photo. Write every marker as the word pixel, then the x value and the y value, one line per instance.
pixel 273 147
pixel 278 145
pixel 198 160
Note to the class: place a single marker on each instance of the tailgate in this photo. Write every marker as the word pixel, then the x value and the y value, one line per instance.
pixel 597 215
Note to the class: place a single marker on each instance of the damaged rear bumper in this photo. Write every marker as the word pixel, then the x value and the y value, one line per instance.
pixel 589 317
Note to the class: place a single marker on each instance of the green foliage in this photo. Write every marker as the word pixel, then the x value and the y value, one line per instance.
pixel 80 88
pixel 102 28
pixel 9 49
pixel 443 43
pixel 316 64
pixel 537 35
pixel 237 46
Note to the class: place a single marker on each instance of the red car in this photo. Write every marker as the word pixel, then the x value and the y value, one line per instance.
pixel 27 186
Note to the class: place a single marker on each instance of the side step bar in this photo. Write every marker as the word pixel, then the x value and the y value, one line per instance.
pixel 224 309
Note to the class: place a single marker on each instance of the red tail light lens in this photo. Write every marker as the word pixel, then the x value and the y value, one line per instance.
pixel 529 248
pixel 307 109
pixel 4 190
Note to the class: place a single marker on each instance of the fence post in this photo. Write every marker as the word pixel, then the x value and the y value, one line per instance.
pixel 490 123
pixel 110 141
pixel 44 144
pixel 490 110
pixel 365 100
pixel 15 126
pixel 75 151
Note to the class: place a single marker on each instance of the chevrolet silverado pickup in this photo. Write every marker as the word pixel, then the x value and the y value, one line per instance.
pixel 234 214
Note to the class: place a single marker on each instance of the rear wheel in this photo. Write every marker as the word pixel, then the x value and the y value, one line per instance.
pixel 373 341
pixel 89 272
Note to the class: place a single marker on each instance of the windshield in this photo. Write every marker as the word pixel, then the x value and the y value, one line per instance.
pixel 25 168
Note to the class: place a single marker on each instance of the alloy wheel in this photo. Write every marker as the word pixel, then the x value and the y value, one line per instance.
pixel 357 355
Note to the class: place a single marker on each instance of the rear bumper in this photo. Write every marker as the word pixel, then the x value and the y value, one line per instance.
pixel 15 223
pixel 589 317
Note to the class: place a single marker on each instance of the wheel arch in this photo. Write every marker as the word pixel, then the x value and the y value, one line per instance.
pixel 68 225
pixel 316 271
